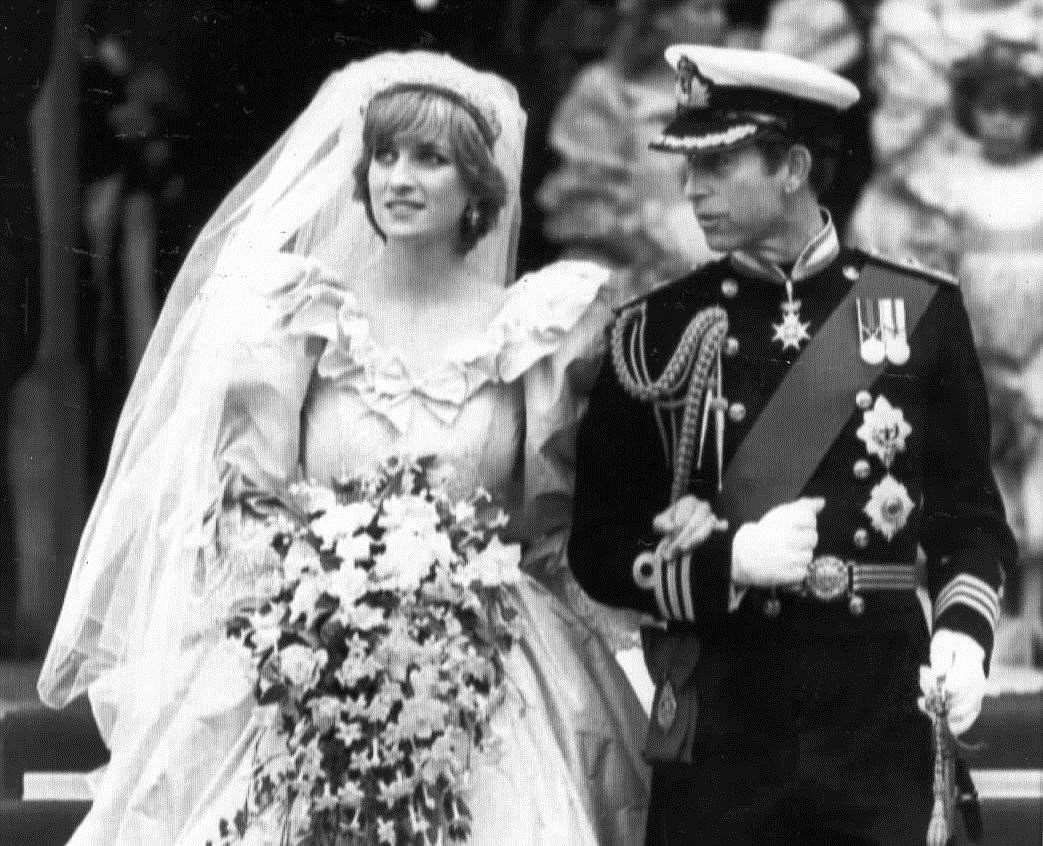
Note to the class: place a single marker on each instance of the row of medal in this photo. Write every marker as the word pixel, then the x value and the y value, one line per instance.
pixel 881 330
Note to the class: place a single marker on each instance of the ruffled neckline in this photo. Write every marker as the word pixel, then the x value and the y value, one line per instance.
pixel 538 313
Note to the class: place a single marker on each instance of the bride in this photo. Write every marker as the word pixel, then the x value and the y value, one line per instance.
pixel 349 300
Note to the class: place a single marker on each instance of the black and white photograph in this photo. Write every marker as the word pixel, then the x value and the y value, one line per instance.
pixel 529 422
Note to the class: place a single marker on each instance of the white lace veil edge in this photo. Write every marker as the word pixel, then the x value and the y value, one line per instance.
pixel 137 591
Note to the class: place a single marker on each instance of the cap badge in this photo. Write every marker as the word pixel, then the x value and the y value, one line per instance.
pixel 692 88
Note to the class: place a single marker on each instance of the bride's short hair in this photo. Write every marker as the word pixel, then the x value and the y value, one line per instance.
pixel 429 112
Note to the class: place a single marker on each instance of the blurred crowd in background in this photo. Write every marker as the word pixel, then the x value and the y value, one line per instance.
pixel 177 98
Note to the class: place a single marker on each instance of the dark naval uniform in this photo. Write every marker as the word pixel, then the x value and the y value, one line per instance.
pixel 791 717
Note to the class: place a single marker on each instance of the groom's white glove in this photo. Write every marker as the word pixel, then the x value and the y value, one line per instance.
pixel 961 659
pixel 777 549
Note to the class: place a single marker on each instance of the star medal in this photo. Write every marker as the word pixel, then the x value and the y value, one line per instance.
pixel 889 506
pixel 870 335
pixel 884 430
pixel 791 331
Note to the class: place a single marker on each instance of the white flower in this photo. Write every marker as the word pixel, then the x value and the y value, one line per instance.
pixel 889 506
pixel 884 430
pixel 497 564
pixel 386 832
pixel 463 512
pixel 441 548
pixel 305 598
pixel 300 559
pixel 324 711
pixel 406 559
pixel 266 628
pixel 362 617
pixel 348 584
pixel 354 549
pixel 342 521
pixel 410 513
pixel 498 520
pixel 300 665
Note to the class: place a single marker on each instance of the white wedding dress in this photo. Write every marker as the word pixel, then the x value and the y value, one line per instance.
pixel 316 395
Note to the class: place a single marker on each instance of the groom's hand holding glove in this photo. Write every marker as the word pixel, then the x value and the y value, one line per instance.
pixel 960 659
pixel 777 549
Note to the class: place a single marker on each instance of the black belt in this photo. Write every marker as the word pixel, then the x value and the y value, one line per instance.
pixel 831 579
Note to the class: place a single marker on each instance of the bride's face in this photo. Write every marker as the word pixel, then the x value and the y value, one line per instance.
pixel 416 189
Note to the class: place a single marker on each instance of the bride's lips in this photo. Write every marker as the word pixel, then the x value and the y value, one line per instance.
pixel 403 205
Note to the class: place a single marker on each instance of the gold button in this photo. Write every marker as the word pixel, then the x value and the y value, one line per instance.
pixel 861 469
pixel 864 400
pixel 729 287
pixel 850 272
pixel 731 346
pixel 737 412
pixel 861 538
pixel 857 606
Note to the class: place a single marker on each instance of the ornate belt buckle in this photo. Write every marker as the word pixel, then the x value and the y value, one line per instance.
pixel 827 578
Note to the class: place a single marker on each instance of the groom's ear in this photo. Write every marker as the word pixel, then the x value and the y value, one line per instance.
pixel 796 166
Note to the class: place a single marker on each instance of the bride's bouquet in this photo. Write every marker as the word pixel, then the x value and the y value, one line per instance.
pixel 379 660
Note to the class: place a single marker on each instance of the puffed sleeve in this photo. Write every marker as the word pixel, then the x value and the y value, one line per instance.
pixel 965 534
pixel 258 446
pixel 557 386
pixel 909 54
pixel 566 310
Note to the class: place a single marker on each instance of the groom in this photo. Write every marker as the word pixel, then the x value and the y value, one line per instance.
pixel 772 440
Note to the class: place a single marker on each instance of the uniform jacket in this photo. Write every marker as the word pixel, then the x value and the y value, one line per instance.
pixel 955 515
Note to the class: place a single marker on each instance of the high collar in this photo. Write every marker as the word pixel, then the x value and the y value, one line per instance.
pixel 817 254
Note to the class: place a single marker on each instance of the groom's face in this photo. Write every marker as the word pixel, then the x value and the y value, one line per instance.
pixel 736 197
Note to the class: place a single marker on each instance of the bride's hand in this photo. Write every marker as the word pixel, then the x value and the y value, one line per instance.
pixel 685 525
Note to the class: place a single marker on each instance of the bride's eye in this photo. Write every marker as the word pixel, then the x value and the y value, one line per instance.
pixel 385 155
pixel 431 155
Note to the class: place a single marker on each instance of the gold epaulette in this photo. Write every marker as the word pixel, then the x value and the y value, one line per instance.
pixel 912 266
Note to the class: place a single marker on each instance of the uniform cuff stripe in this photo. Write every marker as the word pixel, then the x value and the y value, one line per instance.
pixel 972 592
pixel 686 588
pixel 672 599
pixel 660 595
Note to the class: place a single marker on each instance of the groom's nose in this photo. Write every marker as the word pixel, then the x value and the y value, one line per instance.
pixel 696 185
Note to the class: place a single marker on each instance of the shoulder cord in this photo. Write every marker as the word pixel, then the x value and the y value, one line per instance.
pixel 691 362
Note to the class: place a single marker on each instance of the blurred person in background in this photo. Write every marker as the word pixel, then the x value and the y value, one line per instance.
pixel 130 175
pixel 611 198
pixel 989 194
pixel 912 48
